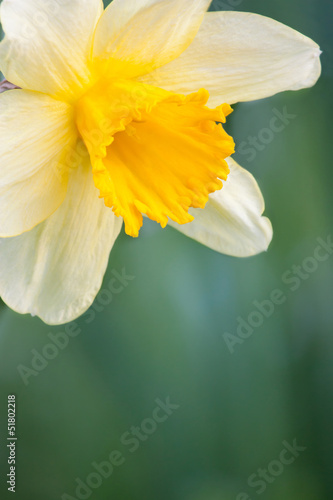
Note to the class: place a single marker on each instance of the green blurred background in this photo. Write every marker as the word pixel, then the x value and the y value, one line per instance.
pixel 163 336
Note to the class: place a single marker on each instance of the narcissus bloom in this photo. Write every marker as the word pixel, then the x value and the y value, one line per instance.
pixel 118 114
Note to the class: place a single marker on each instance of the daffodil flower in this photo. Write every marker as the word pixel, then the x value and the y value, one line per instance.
pixel 117 113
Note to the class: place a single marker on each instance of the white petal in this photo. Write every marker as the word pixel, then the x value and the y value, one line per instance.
pixel 48 43
pixel 38 136
pixel 56 270
pixel 148 32
pixel 232 222
pixel 241 57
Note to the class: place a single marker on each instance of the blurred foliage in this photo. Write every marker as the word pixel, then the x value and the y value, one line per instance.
pixel 163 336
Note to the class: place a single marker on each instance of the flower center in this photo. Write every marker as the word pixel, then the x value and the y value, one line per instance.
pixel 153 152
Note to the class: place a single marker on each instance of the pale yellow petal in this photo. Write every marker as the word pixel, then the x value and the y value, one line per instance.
pixel 38 137
pixel 114 19
pixel 48 43
pixel 232 221
pixel 56 270
pixel 148 33
pixel 238 56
